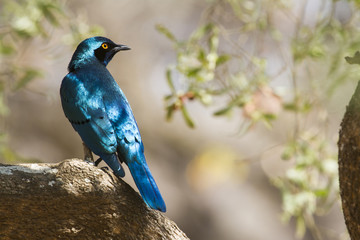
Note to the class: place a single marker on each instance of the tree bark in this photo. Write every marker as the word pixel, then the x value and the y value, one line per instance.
pixel 349 165
pixel 75 200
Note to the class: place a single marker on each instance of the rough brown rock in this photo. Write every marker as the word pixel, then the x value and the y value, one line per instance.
pixel 75 200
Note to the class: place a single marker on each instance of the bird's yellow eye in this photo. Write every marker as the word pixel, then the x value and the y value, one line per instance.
pixel 104 46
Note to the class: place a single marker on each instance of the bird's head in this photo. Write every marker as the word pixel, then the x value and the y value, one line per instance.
pixel 95 49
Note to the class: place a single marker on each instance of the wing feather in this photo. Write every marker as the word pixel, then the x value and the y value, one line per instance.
pixel 88 116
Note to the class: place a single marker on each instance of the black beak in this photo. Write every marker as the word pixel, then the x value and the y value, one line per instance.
pixel 121 47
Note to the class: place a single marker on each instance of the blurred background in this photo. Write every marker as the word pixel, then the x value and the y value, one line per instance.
pixel 254 90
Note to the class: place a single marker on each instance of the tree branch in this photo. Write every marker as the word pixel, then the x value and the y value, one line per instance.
pixel 349 165
pixel 75 200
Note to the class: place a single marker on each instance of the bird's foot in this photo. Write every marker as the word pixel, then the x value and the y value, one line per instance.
pixel 105 169
pixel 89 161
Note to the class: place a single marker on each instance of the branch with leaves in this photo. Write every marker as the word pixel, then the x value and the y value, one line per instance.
pixel 24 25
pixel 244 59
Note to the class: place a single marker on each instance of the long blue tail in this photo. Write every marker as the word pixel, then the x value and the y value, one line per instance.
pixel 113 162
pixel 146 183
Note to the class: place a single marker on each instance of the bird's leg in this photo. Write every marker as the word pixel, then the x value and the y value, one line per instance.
pixel 98 161
pixel 88 157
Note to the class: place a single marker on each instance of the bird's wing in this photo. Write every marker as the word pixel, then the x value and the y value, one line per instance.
pixel 86 112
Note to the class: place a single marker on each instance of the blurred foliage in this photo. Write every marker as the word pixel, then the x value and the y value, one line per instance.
pixel 242 57
pixel 214 166
pixel 355 59
pixel 311 186
pixel 28 24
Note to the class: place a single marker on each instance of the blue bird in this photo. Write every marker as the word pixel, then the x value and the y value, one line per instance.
pixel 99 111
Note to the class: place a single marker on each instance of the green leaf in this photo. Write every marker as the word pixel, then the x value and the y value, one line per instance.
pixel 169 80
pixel 222 59
pixel 202 56
pixel 169 112
pixel 6 49
pixel 162 29
pixel 322 192
pixel 168 97
pixel 302 107
pixel 355 59
pixel 300 227
pixel 187 117
pixel 224 111
pixel 193 72
pixel 201 32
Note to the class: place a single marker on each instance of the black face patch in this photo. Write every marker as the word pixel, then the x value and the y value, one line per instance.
pixel 101 53
pixel 104 53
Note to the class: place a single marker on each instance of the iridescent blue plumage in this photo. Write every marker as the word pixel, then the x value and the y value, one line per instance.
pixel 99 111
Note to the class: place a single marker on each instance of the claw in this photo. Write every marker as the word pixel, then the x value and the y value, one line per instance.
pixel 89 162
pixel 105 169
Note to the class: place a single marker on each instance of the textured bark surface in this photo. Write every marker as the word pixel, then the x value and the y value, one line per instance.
pixel 75 200
pixel 349 165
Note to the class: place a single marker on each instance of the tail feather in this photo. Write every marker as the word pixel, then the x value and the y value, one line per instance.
pixel 113 162
pixel 146 183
